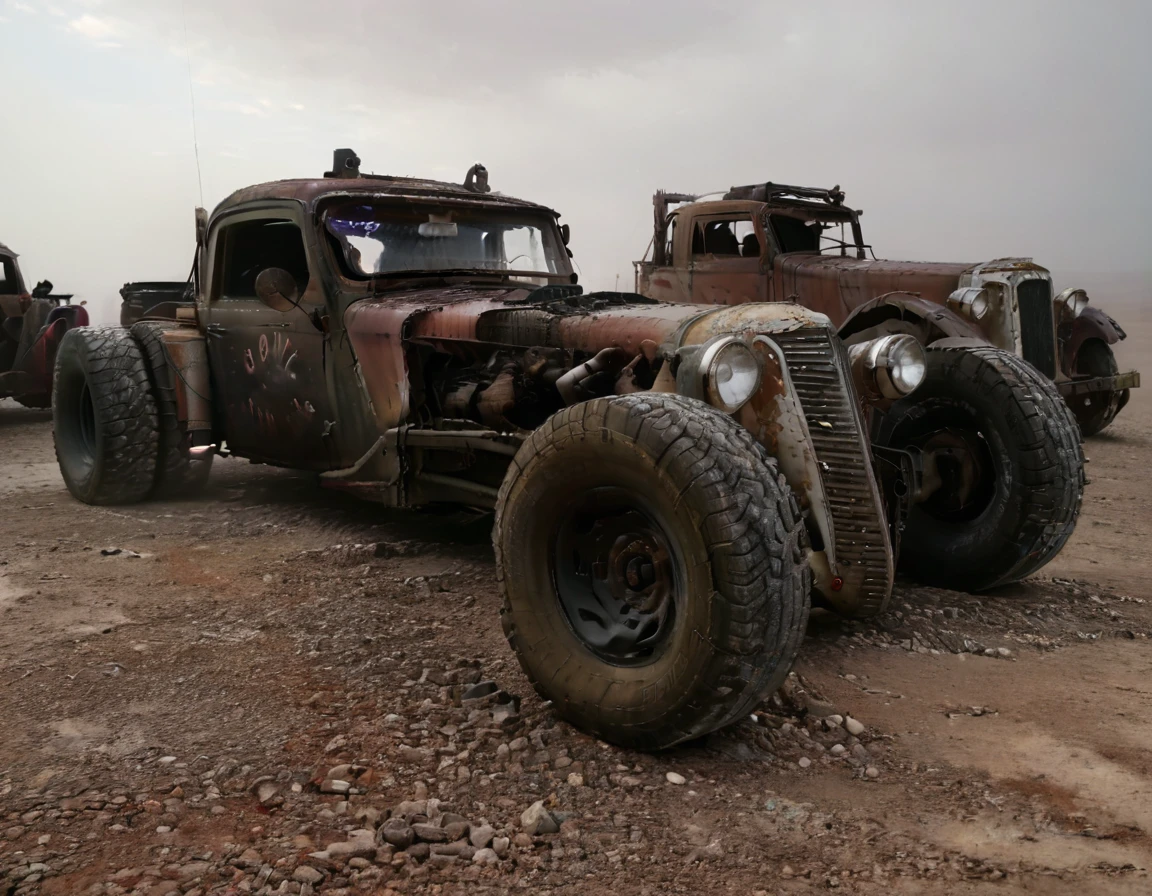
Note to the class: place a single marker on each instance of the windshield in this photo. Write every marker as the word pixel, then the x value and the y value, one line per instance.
pixel 381 239
pixel 811 234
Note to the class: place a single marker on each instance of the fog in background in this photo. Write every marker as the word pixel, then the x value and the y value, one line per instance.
pixel 966 130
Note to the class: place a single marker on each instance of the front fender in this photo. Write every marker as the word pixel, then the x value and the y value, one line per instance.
pixel 926 320
pixel 1091 324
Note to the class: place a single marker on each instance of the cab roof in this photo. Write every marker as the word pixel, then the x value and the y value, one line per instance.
pixel 310 191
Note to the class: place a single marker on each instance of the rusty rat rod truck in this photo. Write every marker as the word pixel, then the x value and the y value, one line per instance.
pixel 671 484
pixel 998 465
pixel 775 242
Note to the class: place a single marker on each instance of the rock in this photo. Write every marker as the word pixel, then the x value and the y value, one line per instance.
pixel 703 853
pixel 522 840
pixel 674 778
pixel 538 820
pixel 520 743
pixel 860 752
pixel 485 857
pixel 396 832
pixel 409 808
pixel 250 858
pixel 872 772
pixel 854 727
pixel 480 690
pixel 838 750
pixel 14 832
pixel 456 829
pixel 500 846
pixel 450 849
pixel 481 837
pixel 266 792
pixel 335 786
pixel 834 719
pixel 804 762
pixel 306 874
pixel 360 844
pixel 576 780
pixel 429 833
pixel 1003 652
pixel 419 851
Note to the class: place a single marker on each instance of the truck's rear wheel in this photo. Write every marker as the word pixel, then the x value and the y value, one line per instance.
pixel 1004 469
pixel 1095 410
pixel 104 416
pixel 653 568
pixel 177 472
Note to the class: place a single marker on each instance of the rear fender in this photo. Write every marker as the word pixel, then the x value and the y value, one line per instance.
pixel 908 313
pixel 1091 324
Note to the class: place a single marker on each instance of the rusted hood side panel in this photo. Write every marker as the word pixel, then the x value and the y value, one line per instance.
pixel 836 286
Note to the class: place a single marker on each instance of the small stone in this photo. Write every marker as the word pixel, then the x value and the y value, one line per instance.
pixel 576 780
pixel 419 851
pixel 838 749
pixel 14 832
pixel 480 690
pixel 834 719
pixel 163 829
pixel 675 778
pixel 1004 652
pixel 522 840
pixel 306 874
pixel 482 836
pixel 538 820
pixel 520 743
pixel 872 772
pixel 485 857
pixel 335 786
pixel 429 833
pixel 854 727
pixel 500 846
pixel 166 760
pixel 804 762
pixel 456 829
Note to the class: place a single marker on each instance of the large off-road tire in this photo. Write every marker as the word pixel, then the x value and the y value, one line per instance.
pixel 1010 462
pixel 177 472
pixel 1095 410
pixel 653 567
pixel 104 416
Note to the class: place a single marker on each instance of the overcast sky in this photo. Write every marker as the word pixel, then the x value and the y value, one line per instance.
pixel 966 130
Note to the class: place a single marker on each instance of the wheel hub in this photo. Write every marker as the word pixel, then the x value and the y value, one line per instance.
pixel 615 578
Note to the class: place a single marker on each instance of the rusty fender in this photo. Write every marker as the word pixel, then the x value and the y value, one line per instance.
pixel 940 322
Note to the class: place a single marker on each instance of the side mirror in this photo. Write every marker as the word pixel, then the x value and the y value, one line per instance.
pixel 276 288
pixel 565 234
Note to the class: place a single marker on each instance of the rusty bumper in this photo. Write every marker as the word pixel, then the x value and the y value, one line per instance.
pixel 1117 383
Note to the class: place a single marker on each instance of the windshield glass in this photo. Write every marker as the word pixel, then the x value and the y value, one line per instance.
pixel 381 239
pixel 811 234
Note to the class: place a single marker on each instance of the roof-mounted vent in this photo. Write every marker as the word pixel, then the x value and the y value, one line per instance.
pixel 476 179
pixel 345 163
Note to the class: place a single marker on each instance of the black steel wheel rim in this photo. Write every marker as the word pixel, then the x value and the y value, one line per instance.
pixel 617 576
pixel 966 464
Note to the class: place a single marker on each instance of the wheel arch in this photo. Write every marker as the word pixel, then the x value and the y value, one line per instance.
pixel 1091 324
pixel 927 320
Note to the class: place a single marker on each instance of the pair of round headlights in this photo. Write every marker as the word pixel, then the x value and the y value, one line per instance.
pixel 889 367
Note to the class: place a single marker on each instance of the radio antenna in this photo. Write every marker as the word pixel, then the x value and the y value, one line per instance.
pixel 192 102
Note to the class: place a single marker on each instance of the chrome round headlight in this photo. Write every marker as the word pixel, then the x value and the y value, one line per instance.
pixel 971 301
pixel 1071 303
pixel 889 367
pixel 907 364
pixel 730 373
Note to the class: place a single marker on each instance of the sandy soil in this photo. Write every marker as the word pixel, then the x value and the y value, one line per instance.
pixel 171 720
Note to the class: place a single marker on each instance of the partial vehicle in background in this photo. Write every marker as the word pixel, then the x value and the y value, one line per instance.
pixel 781 243
pixel 158 298
pixel 31 327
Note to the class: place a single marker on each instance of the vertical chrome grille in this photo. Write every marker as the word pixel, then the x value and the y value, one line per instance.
pixel 818 367
pixel 1037 332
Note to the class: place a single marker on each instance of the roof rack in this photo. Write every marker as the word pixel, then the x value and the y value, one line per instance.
pixel 766 192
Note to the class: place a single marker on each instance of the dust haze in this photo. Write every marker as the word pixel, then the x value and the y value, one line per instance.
pixel 966 132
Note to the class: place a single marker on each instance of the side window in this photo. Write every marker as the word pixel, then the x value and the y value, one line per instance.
pixel 671 232
pixel 249 247
pixel 733 237
pixel 7 277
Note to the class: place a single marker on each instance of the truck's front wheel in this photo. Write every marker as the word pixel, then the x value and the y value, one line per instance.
pixel 1003 469
pixel 104 416
pixel 653 569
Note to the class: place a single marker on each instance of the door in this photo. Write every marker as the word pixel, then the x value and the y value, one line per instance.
pixel 726 253
pixel 269 385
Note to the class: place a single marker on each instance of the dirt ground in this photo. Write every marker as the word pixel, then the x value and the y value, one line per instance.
pixel 235 700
